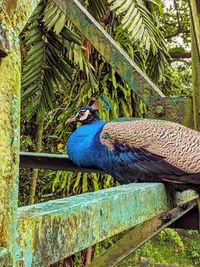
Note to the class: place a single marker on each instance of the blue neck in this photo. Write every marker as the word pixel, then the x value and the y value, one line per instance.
pixel 80 145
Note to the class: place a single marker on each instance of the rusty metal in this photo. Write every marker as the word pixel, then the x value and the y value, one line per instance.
pixel 138 236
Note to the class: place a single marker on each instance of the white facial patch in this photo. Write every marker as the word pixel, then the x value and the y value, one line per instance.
pixel 83 117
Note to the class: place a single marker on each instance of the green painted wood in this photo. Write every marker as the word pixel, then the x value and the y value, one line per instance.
pixel 138 236
pixel 13 16
pixel 5 258
pixel 56 229
pixel 109 49
pixel 195 16
pixel 176 108
pixel 195 40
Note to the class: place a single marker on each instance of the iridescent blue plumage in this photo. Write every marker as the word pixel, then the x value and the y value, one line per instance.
pixel 136 150
pixel 82 145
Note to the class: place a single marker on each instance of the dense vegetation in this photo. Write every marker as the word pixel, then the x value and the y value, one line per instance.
pixel 61 72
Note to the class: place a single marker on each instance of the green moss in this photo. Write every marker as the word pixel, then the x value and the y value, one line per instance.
pixel 168 247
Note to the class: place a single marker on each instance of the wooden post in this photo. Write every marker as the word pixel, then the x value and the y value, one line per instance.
pixel 195 37
pixel 13 16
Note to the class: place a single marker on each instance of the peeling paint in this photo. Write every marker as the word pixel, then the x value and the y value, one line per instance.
pixel 56 229
pixel 13 16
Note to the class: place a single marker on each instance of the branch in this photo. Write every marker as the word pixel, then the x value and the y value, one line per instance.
pixel 179 29
pixel 177 15
pixel 177 33
pixel 178 55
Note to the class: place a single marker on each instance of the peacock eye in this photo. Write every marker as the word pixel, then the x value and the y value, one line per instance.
pixel 81 113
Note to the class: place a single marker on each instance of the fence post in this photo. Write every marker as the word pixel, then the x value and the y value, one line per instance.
pixel 195 40
pixel 13 16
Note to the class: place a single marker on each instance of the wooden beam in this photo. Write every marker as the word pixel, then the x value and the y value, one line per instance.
pixel 15 13
pixel 13 16
pixel 195 16
pixel 138 236
pixel 109 49
pixel 195 40
pixel 173 107
pixel 56 229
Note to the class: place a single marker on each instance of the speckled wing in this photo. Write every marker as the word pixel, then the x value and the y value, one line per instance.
pixel 160 146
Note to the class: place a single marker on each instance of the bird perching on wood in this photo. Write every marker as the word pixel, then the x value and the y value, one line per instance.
pixel 136 150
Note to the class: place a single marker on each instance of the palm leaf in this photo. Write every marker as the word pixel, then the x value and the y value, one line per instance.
pixel 138 21
pixel 46 64
pixel 98 9
pixel 143 31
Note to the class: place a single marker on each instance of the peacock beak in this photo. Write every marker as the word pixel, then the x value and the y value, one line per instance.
pixel 71 119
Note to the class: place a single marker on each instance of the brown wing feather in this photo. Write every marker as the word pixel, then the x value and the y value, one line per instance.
pixel 179 145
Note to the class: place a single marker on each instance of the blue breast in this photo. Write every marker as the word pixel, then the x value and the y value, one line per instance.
pixel 84 147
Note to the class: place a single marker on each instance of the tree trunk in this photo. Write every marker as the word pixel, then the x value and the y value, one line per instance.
pixel 40 129
pixel 88 257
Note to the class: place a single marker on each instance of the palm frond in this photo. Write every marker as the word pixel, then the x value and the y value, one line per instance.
pixel 49 59
pixel 98 9
pixel 143 31
pixel 46 65
pixel 138 21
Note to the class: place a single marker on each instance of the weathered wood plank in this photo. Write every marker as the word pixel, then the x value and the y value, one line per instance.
pixel 56 229
pixel 13 16
pixel 138 236
pixel 16 13
pixel 195 41
pixel 195 16
pixel 178 109
pixel 5 258
pixel 109 49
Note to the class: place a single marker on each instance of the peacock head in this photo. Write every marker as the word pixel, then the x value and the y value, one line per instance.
pixel 86 114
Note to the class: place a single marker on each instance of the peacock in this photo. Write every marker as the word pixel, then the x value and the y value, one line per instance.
pixel 136 149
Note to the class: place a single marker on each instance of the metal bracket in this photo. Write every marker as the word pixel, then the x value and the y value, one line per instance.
pixel 177 109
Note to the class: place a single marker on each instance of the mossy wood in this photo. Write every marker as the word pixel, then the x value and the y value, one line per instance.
pixel 195 37
pixel 139 235
pixel 54 230
pixel 50 231
pixel 13 16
